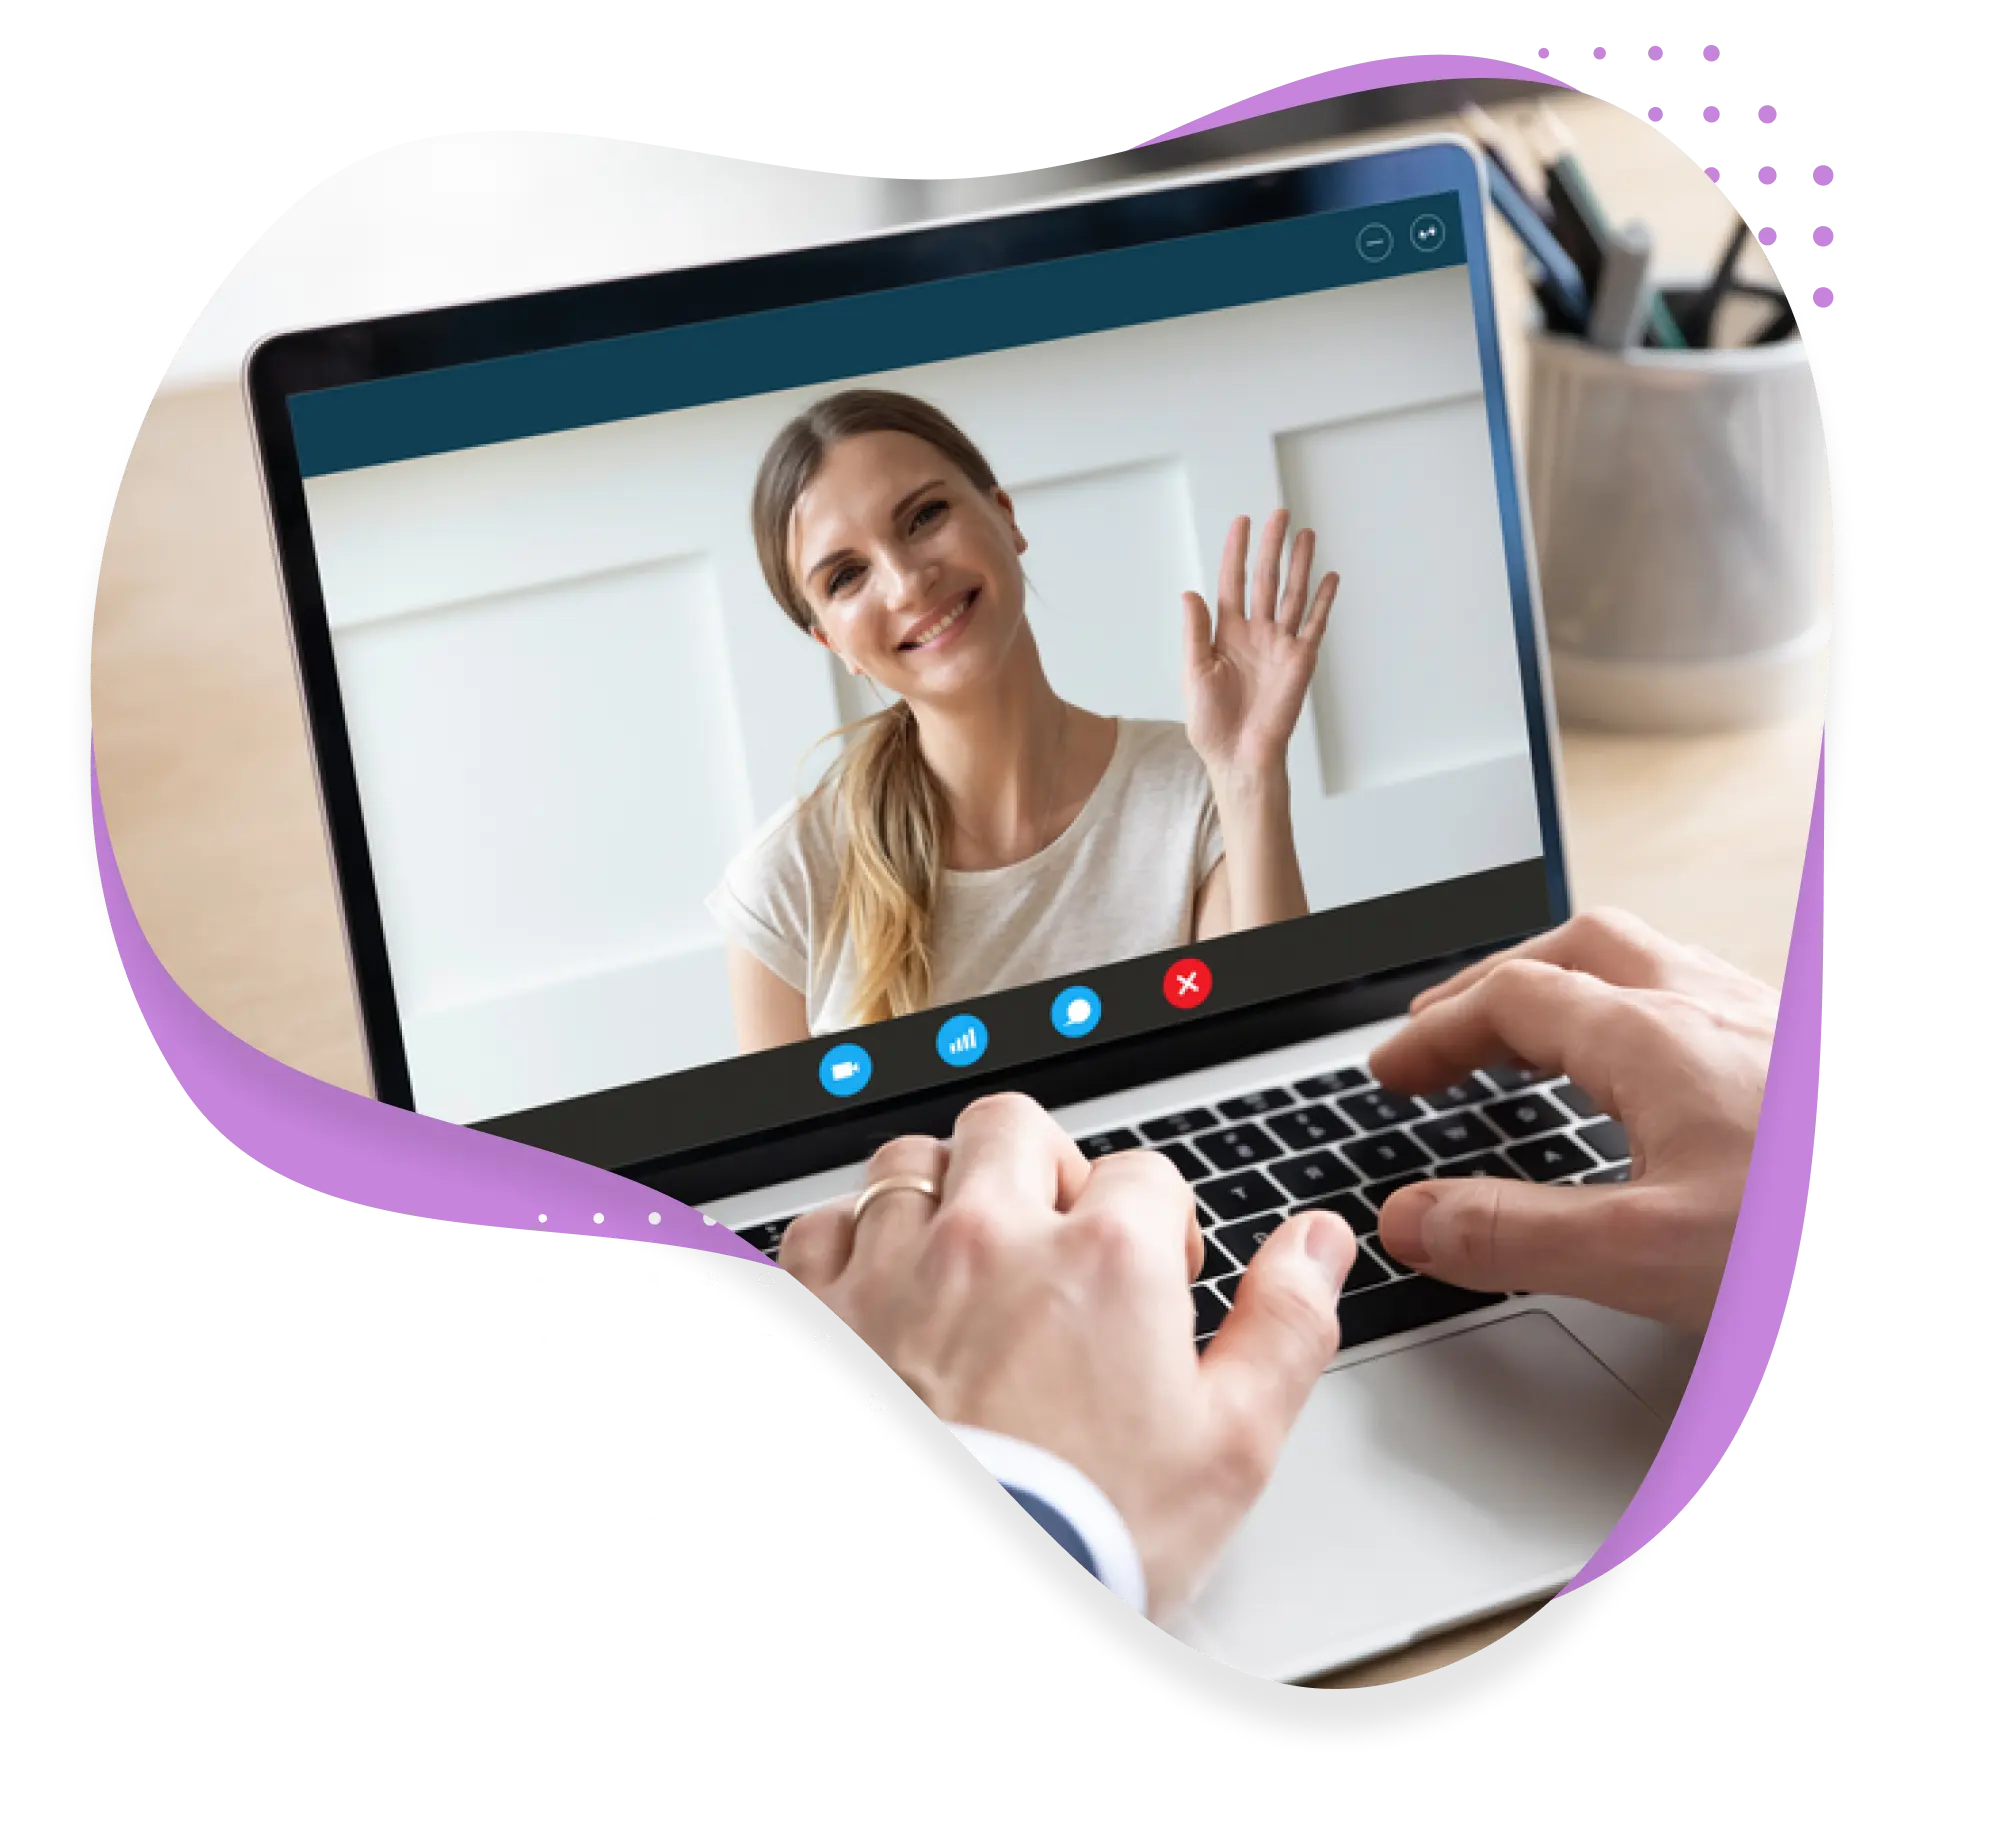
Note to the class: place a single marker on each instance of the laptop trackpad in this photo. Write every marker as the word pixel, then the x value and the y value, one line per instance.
pixel 1421 1488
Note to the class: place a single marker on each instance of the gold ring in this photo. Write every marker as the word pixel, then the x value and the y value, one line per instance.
pixel 894 1185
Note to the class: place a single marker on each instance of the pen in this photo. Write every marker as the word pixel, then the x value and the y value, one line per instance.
pixel 1697 318
pixel 1580 223
pixel 1623 296
pixel 1502 147
pixel 1561 289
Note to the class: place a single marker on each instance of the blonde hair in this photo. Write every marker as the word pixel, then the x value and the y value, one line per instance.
pixel 893 814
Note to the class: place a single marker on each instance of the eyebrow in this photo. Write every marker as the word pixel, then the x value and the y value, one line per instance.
pixel 898 508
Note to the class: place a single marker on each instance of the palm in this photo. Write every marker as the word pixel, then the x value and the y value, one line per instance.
pixel 1247 679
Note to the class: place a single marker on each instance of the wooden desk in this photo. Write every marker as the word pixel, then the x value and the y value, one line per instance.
pixel 208 789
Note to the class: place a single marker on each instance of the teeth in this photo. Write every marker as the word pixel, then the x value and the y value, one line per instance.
pixel 943 625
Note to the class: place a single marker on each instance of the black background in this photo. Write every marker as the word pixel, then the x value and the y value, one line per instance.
pixel 295 1490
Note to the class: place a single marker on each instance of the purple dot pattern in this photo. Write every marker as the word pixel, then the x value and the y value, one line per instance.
pixel 1599 52
pixel 1655 53
pixel 1714 172
pixel 1766 236
pixel 1710 113
pixel 1824 174
pixel 1712 53
pixel 1822 296
pixel 1542 52
pixel 1822 236
pixel 1765 114
pixel 1767 174
pixel 1656 114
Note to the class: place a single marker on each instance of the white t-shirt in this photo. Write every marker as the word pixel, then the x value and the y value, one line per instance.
pixel 1120 881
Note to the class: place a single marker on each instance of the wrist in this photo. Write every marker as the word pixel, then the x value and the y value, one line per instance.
pixel 1251 787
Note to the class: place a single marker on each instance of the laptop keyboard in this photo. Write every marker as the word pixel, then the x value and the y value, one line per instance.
pixel 1339 1141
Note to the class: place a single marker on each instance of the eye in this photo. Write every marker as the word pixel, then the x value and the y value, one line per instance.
pixel 842 577
pixel 927 513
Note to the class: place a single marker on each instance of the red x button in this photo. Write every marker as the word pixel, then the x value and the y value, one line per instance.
pixel 1186 983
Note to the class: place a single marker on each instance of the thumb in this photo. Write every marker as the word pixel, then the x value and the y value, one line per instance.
pixel 1487 1233
pixel 1198 647
pixel 1283 1326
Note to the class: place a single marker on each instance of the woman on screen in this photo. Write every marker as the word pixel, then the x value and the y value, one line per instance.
pixel 980 832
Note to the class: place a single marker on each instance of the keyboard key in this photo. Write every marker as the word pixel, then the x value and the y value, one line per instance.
pixel 1238 1146
pixel 1577 1101
pixel 1323 1086
pixel 1238 1197
pixel 1216 1262
pixel 1487 1165
pixel 1255 1105
pixel 1108 1143
pixel 1306 1178
pixel 1226 1287
pixel 1511 1076
pixel 1177 1124
pixel 1458 1135
pixel 1360 1217
pixel 1193 1168
pixel 1377 1109
pixel 1387 1155
pixel 1365 1273
pixel 1548 1159
pixel 1470 1091
pixel 1608 1139
pixel 767 1236
pixel 1527 1115
pixel 1376 1193
pixel 1309 1127
pixel 1210 1309
pixel 1617 1172
pixel 1242 1240
pixel 1410 1302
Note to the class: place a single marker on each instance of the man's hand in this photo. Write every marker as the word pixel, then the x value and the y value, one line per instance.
pixel 1667 1038
pixel 1047 1298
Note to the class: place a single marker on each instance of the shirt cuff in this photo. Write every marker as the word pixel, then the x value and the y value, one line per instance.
pixel 1054 1493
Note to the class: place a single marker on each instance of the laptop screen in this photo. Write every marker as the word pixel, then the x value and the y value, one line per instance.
pixel 758 694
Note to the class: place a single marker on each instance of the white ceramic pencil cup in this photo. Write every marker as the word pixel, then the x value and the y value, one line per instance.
pixel 1682 527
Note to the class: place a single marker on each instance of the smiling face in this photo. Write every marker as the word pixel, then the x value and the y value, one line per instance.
pixel 912 574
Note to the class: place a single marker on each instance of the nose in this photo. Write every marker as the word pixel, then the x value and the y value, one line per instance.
pixel 902 580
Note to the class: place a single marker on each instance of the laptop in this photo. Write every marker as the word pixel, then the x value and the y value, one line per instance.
pixel 552 703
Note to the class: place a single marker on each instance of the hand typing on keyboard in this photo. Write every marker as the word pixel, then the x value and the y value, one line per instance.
pixel 1668 1040
pixel 1019 1287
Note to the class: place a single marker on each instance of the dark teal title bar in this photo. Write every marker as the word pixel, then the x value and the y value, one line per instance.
pixel 691 365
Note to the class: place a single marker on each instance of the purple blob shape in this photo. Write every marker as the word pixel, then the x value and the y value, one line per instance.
pixel 1656 114
pixel 1767 237
pixel 1749 1310
pixel 1765 114
pixel 1654 54
pixel 1822 236
pixel 1823 174
pixel 1714 172
pixel 1710 113
pixel 1542 52
pixel 1767 174
pixel 1712 53
pixel 1353 79
pixel 1598 52
pixel 1822 295
pixel 377 1155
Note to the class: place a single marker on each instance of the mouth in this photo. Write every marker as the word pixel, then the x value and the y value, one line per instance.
pixel 942 625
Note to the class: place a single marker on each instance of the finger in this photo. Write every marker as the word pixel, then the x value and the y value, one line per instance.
pixel 1230 575
pixel 1271 559
pixel 1557 1021
pixel 893 1226
pixel 816 1246
pixel 1315 625
pixel 1606 943
pixel 1197 647
pixel 1282 1330
pixel 1009 1154
pixel 1298 580
pixel 1148 1184
pixel 1485 1233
